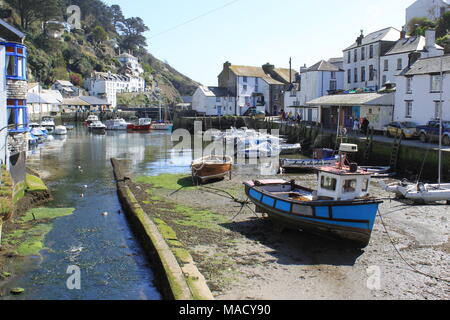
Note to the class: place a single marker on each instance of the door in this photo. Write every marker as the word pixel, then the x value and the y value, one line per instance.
pixel 219 110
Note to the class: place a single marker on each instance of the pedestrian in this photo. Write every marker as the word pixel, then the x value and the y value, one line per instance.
pixel 365 125
pixel 356 126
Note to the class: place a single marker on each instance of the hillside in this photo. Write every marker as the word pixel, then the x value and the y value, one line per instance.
pixel 104 34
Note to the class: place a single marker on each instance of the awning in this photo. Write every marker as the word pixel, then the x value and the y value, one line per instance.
pixel 356 99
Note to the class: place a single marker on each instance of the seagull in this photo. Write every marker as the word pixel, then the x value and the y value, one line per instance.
pixel 104 214
pixel 81 195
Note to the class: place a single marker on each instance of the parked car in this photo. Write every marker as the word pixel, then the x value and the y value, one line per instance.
pixel 430 132
pixel 406 129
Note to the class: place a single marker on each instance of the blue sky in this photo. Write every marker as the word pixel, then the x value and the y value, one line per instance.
pixel 254 32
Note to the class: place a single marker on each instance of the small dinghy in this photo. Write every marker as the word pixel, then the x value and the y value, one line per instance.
pixel 211 167
pixel 321 157
pixel 419 192
pixel 340 206
pixel 379 172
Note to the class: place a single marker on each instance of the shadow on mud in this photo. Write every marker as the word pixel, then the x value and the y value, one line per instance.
pixel 291 247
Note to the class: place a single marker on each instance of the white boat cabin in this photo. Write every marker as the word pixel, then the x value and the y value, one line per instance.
pixel 342 184
pixel 145 121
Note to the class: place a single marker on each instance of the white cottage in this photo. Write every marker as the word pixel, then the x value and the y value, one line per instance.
pixel 213 101
pixel 418 92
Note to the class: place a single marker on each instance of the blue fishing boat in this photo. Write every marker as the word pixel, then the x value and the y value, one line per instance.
pixel 341 205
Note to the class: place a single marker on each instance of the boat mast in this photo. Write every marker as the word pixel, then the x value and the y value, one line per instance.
pixel 440 121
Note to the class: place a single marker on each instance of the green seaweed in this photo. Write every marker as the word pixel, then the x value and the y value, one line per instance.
pixel 35 184
pixel 46 213
pixel 168 181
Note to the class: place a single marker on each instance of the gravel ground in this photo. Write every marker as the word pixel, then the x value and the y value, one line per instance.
pixel 250 258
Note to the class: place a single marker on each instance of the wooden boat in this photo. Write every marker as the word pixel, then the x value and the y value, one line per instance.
pixel 144 124
pixel 211 167
pixel 340 206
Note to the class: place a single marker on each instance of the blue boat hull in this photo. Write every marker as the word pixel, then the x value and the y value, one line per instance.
pixel 349 220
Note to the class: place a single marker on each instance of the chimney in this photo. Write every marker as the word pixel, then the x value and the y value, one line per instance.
pixel 226 65
pixel 403 33
pixel 268 68
pixel 360 38
pixel 430 39
pixel 303 69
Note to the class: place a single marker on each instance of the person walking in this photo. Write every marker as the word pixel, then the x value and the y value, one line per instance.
pixel 365 125
pixel 356 126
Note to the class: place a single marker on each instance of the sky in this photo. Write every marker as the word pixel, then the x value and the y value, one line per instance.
pixel 197 36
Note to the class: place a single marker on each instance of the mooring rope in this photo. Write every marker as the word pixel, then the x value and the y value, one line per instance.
pixel 401 256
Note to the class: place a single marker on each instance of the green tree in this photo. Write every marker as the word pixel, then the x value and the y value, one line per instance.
pixel 132 37
pixel 443 25
pixel 418 26
pixel 30 11
pixel 98 35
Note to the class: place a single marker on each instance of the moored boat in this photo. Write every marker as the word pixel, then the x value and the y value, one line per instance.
pixel 97 127
pixel 60 131
pixel 162 126
pixel 144 124
pixel 116 124
pixel 321 157
pixel 90 119
pixel 211 167
pixel 48 123
pixel 379 171
pixel 340 206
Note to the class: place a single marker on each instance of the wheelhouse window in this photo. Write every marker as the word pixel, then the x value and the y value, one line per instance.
pixel 365 185
pixel 349 186
pixel 15 61
pixel 17 115
pixel 328 183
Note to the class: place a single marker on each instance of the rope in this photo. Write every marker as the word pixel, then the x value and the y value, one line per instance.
pixel 404 260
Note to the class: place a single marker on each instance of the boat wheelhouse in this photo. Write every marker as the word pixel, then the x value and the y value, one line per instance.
pixel 116 124
pixel 341 205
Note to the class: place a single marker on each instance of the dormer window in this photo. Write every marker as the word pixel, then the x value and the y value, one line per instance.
pixel 15 61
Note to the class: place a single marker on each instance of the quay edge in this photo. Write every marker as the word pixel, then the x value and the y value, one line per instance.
pixel 176 281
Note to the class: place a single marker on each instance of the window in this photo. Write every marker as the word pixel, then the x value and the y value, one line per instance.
pixel 328 183
pixel 384 79
pixel 349 60
pixel 371 52
pixel 356 75
pixel 333 75
pixel 244 79
pixel 333 85
pixel 399 64
pixel 371 73
pixel 435 83
pixel 17 115
pixel 244 88
pixel 349 76
pixel 217 99
pixel 15 61
pixel 409 85
pixel 349 186
pixel 437 109
pixel 363 74
pixel 409 109
pixel 386 65
pixel 363 53
pixel 365 185
pixel 355 59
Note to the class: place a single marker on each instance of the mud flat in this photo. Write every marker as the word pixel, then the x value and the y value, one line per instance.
pixel 246 257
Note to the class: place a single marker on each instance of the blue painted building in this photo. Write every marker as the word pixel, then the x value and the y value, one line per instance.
pixel 13 105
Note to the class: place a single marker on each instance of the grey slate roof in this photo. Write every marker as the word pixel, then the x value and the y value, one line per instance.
pixel 380 35
pixel 428 66
pixel 323 66
pixel 409 45
pixel 94 101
